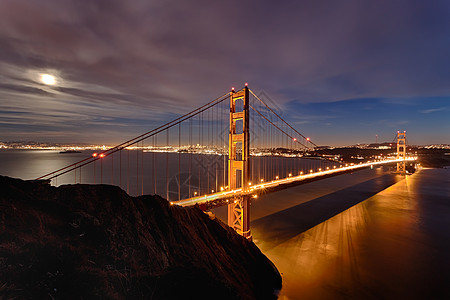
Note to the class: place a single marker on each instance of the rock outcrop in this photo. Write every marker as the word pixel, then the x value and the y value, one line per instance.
pixel 95 241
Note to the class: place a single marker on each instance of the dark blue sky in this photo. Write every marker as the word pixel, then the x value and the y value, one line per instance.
pixel 342 71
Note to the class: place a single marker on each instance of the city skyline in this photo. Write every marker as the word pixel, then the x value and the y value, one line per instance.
pixel 341 73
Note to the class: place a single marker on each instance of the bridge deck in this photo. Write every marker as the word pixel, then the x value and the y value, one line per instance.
pixel 224 197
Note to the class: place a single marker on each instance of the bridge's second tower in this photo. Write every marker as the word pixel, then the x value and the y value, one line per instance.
pixel 238 162
pixel 401 151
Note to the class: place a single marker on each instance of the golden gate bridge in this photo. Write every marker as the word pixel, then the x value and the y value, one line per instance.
pixel 226 152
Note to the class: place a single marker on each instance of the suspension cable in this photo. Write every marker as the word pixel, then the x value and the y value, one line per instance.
pixel 294 139
pixel 281 118
pixel 135 140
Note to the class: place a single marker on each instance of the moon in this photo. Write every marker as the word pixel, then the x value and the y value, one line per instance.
pixel 48 79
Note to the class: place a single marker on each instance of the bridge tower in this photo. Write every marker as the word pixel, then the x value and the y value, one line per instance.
pixel 401 151
pixel 238 162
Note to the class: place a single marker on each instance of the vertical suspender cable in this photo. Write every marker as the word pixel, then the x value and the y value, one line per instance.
pixel 179 153
pixel 154 164
pixel 190 156
pixel 142 168
pixel 128 171
pixel 112 168
pixel 167 165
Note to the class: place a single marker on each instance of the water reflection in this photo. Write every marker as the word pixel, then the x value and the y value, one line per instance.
pixel 391 246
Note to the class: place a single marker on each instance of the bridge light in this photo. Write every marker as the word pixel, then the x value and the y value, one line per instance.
pixel 334 167
pixel 246 84
pixel 94 154
pixel 171 203
pixel 290 174
pixel 255 196
pixel 310 171
pixel 262 180
pixel 301 173
pixel 295 139
pixel 195 193
pixel 102 155
pixel 221 188
pixel 320 169
pixel 212 191
pixel 328 168
pixel 307 139
pixel 276 177
pixel 232 89
pixel 249 183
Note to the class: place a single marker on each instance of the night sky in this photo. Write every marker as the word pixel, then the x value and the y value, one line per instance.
pixel 341 71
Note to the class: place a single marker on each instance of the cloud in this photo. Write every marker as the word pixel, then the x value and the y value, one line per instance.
pixel 150 60
pixel 432 110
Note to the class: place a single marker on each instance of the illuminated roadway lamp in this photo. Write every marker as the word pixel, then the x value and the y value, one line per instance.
pixel 295 139
pixel 249 183
pixel 328 168
pixel 221 188
pixel 94 154
pixel 301 173
pixel 277 177
pixel 320 169
pixel 307 139
pixel 262 180
pixel 290 174
pixel 195 193
pixel 310 171
pixel 102 155
pixel 255 196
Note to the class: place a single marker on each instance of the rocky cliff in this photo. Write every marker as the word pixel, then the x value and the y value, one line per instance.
pixel 95 241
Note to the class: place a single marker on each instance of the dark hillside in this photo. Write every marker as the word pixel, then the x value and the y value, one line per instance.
pixel 95 241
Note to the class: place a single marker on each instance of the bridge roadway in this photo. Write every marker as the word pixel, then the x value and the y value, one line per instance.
pixel 212 200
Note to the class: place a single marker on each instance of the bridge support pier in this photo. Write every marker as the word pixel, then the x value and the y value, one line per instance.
pixel 239 162
pixel 239 216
